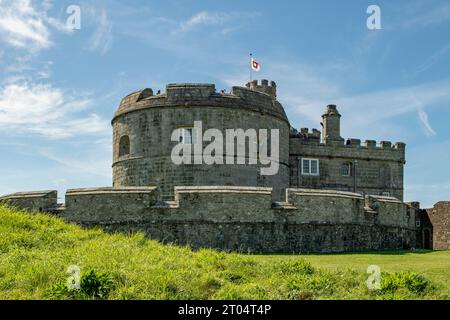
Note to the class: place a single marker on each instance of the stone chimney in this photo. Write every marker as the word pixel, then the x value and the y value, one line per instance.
pixel 332 126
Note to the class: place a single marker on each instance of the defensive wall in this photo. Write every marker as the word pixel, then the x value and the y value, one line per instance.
pixel 246 218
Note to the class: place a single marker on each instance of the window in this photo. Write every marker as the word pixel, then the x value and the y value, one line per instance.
pixel 310 167
pixel 346 170
pixel 124 146
pixel 386 194
pixel 418 223
pixel 187 135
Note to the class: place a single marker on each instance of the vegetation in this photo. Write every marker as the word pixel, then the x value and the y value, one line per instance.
pixel 36 251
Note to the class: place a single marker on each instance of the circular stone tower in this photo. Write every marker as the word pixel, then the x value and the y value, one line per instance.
pixel 144 124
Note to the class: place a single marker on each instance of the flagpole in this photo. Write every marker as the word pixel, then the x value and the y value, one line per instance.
pixel 251 55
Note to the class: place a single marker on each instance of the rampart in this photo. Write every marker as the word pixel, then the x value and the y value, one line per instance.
pixel 33 201
pixel 246 218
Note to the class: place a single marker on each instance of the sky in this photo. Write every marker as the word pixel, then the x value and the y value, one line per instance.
pixel 60 85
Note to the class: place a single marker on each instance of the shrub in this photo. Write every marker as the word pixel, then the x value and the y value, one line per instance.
pixel 411 281
pixel 93 285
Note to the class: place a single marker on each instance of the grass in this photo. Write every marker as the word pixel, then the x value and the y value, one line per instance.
pixel 37 249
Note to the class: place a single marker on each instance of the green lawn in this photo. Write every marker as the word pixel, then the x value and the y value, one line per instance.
pixel 36 251
pixel 434 265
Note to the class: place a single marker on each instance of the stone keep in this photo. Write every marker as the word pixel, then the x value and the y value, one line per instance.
pixel 143 125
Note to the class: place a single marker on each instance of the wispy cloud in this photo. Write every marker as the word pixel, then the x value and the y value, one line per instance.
pixel 25 26
pixel 432 59
pixel 305 91
pixel 176 35
pixel 93 162
pixel 30 108
pixel 204 18
pixel 423 117
pixel 101 39
pixel 428 17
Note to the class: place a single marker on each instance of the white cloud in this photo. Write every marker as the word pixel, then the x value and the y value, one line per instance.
pixel 212 19
pixel 204 18
pixel 423 117
pixel 27 108
pixel 101 40
pixel 25 26
pixel 21 24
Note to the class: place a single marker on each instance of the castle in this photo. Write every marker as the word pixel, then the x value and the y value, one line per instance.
pixel 329 194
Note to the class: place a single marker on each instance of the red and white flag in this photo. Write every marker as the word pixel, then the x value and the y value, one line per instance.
pixel 255 65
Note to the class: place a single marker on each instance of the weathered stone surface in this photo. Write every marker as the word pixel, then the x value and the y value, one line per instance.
pixel 439 217
pixel 150 122
pixel 374 170
pixel 243 218
pixel 33 201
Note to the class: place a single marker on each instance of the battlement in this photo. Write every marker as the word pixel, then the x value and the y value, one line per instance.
pixel 257 97
pixel 308 136
pixel 372 144
pixel 264 87
pixel 305 135
pixel 189 91
pixel 137 96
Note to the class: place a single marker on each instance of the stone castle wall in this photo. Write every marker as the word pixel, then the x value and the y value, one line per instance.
pixel 33 201
pixel 245 218
pixel 378 169
pixel 439 217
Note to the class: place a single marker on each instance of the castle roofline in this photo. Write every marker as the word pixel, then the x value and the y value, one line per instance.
pixel 258 98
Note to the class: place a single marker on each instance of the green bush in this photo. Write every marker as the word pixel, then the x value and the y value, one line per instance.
pixel 411 281
pixel 93 285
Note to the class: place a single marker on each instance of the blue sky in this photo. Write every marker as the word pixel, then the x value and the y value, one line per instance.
pixel 60 87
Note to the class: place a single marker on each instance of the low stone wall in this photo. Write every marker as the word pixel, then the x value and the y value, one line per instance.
pixel 108 205
pixel 244 218
pixel 39 201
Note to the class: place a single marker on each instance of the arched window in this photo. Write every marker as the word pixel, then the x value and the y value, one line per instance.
pixel 124 146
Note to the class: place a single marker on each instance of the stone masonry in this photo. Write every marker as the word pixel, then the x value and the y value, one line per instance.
pixel 329 195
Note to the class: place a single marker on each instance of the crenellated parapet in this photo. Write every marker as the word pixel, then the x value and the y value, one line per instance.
pixel 264 87
pixel 307 136
pixel 259 97
pixel 304 140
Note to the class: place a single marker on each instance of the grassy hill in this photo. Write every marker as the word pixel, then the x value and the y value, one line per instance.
pixel 37 249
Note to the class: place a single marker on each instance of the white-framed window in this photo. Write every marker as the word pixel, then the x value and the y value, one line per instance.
pixel 386 194
pixel 310 167
pixel 346 169
pixel 187 135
